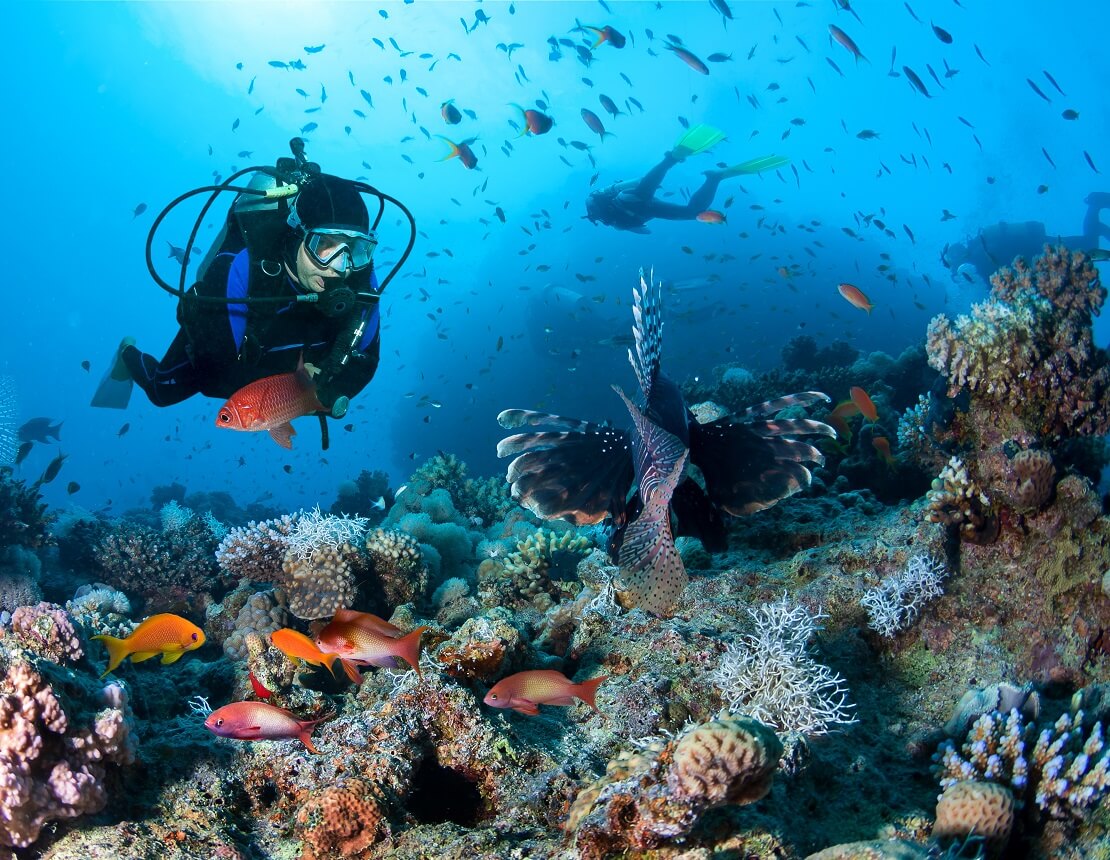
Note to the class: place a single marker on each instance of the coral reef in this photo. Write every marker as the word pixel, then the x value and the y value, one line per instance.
pixel 318 585
pixel 535 573
pixel 397 567
pixel 343 820
pixel 645 800
pixel 168 571
pixel 956 500
pixel 23 517
pixel 982 809
pixel 260 615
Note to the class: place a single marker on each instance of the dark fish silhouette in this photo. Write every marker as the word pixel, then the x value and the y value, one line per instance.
pixel 584 472
pixel 40 430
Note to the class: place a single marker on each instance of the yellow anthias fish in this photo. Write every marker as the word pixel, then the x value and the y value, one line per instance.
pixel 165 634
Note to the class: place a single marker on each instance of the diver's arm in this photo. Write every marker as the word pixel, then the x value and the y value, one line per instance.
pixel 354 376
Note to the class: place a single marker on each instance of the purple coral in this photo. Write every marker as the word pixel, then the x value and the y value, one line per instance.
pixel 47 630
pixel 53 759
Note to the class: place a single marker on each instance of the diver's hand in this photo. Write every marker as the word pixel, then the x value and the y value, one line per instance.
pixel 334 403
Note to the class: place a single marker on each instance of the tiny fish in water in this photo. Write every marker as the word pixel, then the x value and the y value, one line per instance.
pixel 941 33
pixel 855 297
pixel 846 40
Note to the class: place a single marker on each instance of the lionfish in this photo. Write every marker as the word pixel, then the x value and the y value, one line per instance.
pixel 583 472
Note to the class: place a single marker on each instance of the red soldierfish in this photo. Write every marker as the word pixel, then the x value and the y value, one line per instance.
pixel 270 404
pixel 259 721
pixel 462 151
pixel 846 40
pixel 524 691
pixel 688 58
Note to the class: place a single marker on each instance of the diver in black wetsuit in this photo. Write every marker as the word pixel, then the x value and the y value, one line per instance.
pixel 293 280
pixel 998 244
pixel 630 205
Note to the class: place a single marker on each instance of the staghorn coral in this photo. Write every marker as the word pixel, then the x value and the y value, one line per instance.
pixel 983 809
pixel 47 630
pixel 341 821
pixel 400 575
pixel 1027 355
pixel 1062 772
pixel 648 798
pixel 956 500
pixel 54 750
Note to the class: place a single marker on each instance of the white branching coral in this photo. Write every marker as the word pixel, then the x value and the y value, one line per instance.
pixel 314 530
pixel 770 676
pixel 895 603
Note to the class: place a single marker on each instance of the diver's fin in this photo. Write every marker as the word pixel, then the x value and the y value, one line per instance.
pixel 698 139
pixel 114 390
pixel 755 165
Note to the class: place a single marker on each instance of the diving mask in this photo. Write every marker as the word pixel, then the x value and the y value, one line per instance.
pixel 340 250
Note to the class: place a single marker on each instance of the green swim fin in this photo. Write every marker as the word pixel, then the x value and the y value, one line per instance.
pixel 114 391
pixel 698 139
pixel 756 165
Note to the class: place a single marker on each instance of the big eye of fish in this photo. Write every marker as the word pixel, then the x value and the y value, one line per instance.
pixel 220 721
pixel 224 417
pixel 194 637
pixel 493 696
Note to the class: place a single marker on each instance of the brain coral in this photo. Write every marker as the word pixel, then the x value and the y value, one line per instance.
pixel 984 809
pixel 730 760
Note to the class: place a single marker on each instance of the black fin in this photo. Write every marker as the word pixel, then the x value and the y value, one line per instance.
pixel 695 516
pixel 581 475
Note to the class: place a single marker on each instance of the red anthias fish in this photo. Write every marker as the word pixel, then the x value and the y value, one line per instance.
pixel 258 721
pixel 462 151
pixel 361 639
pixel 524 691
pixel 534 121
pixel 270 404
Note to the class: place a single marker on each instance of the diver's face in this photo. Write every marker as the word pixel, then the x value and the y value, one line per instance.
pixel 310 275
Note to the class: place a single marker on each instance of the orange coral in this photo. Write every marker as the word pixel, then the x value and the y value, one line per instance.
pixel 341 821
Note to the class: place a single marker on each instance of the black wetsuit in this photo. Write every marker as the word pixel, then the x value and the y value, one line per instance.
pixel 630 205
pixel 222 347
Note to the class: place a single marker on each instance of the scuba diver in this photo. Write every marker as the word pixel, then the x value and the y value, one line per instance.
pixel 997 245
pixel 631 204
pixel 290 280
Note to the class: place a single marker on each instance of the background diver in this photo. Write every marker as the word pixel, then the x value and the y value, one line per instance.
pixel 998 244
pixel 293 278
pixel 631 204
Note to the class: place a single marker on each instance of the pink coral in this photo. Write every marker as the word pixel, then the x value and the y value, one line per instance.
pixel 52 763
pixel 47 630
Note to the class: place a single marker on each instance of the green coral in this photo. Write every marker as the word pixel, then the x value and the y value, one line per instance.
pixel 483 499
pixel 535 572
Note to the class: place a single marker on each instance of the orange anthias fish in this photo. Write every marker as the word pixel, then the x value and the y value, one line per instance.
pixel 864 403
pixel 605 34
pixel 462 151
pixel 882 447
pixel 358 643
pixel 165 634
pixel 711 216
pixel 294 644
pixel 855 297
pixel 259 721
pixel 525 691
pixel 270 404
pixel 534 121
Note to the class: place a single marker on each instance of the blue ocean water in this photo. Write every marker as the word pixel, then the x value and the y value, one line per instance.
pixel 118 105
